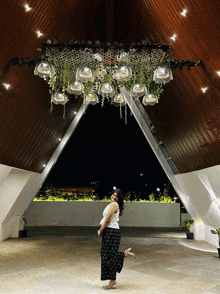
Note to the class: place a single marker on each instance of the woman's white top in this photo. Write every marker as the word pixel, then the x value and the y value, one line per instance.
pixel 115 218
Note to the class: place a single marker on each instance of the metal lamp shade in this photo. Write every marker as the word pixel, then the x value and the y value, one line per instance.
pixel 59 98
pixel 85 74
pixel 43 69
pixel 149 99
pixel 92 98
pixel 106 90
pixel 163 75
pixel 75 88
pixel 122 73
pixel 139 90
pixel 119 99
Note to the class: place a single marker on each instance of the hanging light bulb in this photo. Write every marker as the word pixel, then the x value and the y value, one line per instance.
pixel 92 98
pixel 85 74
pixel 75 88
pixel 43 69
pixel 122 73
pixel 106 89
pixel 150 99
pixel 162 75
pixel 139 90
pixel 59 98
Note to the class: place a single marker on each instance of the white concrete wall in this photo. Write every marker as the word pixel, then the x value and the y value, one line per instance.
pixel 136 214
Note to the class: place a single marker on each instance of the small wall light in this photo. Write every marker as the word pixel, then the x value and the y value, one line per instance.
pixel 204 89
pixel 6 86
pixel 174 37
pixel 27 8
pixel 39 34
pixel 184 12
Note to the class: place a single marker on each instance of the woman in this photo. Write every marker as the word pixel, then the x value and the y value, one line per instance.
pixel 112 260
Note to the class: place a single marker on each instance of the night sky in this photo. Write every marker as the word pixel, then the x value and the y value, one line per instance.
pixel 103 148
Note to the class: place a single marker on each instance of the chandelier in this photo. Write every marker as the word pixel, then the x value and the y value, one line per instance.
pixel 99 71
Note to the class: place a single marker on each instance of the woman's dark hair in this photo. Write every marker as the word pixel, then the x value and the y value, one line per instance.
pixel 120 200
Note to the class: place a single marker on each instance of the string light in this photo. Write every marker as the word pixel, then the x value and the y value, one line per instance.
pixel 6 86
pixel 75 112
pixel 59 139
pixel 27 8
pixel 174 37
pixel 39 34
pixel 204 89
pixel 184 12
pixel 44 165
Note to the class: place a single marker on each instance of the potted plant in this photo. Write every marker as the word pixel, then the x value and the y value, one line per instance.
pixel 187 223
pixel 23 233
pixel 217 231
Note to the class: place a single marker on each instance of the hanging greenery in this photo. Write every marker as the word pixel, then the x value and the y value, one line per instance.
pixel 104 61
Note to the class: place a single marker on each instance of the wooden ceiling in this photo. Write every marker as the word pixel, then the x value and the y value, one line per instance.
pixel 186 119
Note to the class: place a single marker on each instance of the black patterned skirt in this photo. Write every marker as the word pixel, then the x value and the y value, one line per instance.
pixel 111 260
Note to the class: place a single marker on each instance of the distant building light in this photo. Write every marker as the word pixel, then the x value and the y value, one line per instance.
pixel 204 89
pixel 141 175
pixel 6 86
pixel 184 12
pixel 39 34
pixel 174 37
pixel 27 7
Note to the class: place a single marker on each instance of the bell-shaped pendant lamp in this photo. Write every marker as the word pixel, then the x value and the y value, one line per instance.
pixel 59 98
pixel 92 98
pixel 85 74
pixel 150 99
pixel 122 73
pixel 162 74
pixel 139 90
pixel 106 90
pixel 119 99
pixel 43 69
pixel 75 88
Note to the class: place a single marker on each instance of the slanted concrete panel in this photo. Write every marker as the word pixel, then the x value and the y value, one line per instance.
pixel 202 192
pixel 19 187
pixel 14 192
pixel 198 190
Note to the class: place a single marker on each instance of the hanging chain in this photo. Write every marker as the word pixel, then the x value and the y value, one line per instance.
pixel 103 100
pixel 120 110
pixel 51 106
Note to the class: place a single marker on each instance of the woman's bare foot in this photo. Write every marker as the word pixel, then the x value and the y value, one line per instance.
pixel 127 254
pixel 112 284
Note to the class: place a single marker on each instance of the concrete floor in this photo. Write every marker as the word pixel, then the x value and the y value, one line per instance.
pixel 66 260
